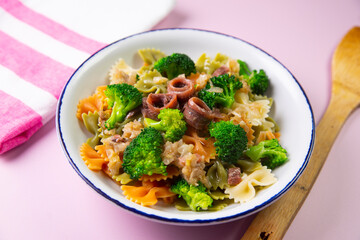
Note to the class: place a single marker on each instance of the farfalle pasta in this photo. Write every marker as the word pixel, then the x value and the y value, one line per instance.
pixel 166 144
pixel 217 175
pixel 93 103
pixel 147 194
pixel 202 146
pixel 172 171
pixel 121 72
pixel 150 55
pixel 151 82
pixel 90 121
pixel 245 190
pixel 92 158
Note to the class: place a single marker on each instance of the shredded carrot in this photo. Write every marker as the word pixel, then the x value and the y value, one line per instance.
pixel 193 76
pixel 277 135
pixel 269 135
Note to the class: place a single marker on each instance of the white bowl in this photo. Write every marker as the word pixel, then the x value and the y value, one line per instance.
pixel 292 111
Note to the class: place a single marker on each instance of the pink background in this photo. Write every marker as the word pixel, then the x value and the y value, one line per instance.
pixel 43 198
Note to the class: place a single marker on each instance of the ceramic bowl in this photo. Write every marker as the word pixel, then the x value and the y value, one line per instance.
pixel 291 110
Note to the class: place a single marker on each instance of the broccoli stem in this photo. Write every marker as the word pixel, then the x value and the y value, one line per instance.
pixel 255 153
pixel 118 116
pixel 155 124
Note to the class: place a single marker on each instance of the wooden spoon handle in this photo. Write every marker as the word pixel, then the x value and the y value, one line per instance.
pixel 273 222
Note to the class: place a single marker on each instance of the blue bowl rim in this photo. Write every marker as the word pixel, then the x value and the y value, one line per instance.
pixel 176 220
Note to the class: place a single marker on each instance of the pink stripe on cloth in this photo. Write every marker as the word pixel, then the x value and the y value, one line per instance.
pixel 17 126
pixel 33 66
pixel 50 27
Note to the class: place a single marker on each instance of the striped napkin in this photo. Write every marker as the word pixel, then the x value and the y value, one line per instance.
pixel 42 42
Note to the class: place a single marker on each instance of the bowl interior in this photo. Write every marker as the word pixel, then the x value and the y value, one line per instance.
pixel 291 110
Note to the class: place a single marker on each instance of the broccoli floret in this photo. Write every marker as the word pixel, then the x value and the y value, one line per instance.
pixel 230 140
pixel 143 155
pixel 258 81
pixel 195 196
pixel 122 98
pixel 171 121
pixel 174 65
pixel 227 84
pixel 269 152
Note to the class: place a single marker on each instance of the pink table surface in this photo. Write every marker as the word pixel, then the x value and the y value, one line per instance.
pixel 43 198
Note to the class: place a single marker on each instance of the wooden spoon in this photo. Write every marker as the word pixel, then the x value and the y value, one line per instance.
pixel 273 222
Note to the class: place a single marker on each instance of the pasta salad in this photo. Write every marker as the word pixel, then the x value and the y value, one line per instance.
pixel 194 134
